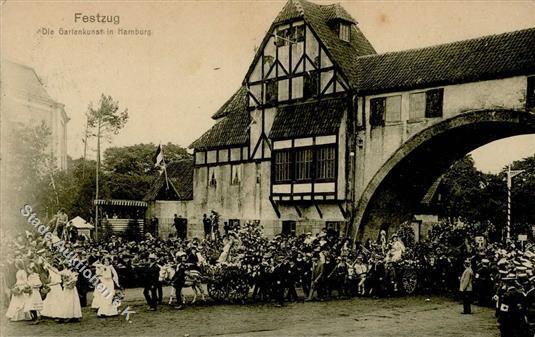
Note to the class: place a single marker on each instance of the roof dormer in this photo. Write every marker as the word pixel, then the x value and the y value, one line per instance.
pixel 344 31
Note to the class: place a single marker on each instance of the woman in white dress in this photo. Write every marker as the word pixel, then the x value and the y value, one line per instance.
pixel 20 295
pixel 108 279
pixel 71 305
pixel 54 301
pixel 97 296
pixel 35 302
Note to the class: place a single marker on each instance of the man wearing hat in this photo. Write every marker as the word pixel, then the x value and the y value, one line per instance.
pixel 483 283
pixel 466 287
pixel 179 279
pixel 152 275
pixel 511 309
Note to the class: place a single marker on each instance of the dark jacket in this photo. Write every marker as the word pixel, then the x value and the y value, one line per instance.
pixel 152 274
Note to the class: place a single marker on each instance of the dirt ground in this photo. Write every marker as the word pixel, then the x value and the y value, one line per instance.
pixel 407 316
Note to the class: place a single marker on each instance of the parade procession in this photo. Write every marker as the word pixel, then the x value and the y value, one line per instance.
pixel 293 168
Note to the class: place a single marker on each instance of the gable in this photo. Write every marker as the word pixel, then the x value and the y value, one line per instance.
pixel 312 44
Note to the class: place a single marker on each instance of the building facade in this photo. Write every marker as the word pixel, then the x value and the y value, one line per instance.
pixel 25 103
pixel 323 127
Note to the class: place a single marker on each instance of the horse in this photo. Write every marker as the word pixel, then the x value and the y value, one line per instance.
pixel 193 280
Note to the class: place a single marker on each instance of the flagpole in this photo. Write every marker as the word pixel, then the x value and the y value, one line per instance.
pixel 165 170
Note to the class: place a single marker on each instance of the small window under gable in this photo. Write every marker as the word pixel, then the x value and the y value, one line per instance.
pixel 345 31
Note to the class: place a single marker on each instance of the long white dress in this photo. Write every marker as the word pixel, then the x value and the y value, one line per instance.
pixel 54 301
pixel 35 301
pixel 18 306
pixel 109 275
pixel 97 296
pixel 71 306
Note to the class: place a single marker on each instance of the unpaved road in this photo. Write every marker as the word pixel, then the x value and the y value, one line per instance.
pixel 399 317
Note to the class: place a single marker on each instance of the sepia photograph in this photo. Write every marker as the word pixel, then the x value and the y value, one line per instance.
pixel 260 168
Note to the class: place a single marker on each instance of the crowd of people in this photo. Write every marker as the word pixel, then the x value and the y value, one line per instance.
pixel 323 266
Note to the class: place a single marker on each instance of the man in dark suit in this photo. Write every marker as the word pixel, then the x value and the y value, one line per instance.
pixel 179 279
pixel 152 275
pixel 207 224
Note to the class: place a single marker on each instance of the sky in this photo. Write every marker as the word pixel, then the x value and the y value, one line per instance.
pixel 198 53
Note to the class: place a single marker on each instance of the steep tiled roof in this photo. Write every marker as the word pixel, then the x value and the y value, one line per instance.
pixel 230 130
pixel 23 81
pixel 483 58
pixel 322 19
pixel 238 101
pixel 180 174
pixel 344 53
pixel 309 119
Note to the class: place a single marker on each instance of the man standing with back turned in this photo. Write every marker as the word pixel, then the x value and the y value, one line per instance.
pixel 466 287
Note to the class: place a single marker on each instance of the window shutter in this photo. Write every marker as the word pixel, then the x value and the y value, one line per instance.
pixel 377 114
pixel 433 103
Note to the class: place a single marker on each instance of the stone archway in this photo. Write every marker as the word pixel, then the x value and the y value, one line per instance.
pixel 399 185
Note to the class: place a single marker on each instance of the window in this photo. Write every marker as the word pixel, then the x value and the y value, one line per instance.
pixel 417 106
pixel 282 37
pixel 393 109
pixel 433 103
pixel 334 226
pixel 258 173
pixel 235 174
pixel 530 95
pixel 426 104
pixel 212 181
pixel 288 228
pixel 377 111
pixel 325 166
pixel 288 35
pixel 311 80
pixel 345 32
pixel 272 91
pixel 299 33
pixel 282 166
pixel 303 164
pixel 284 88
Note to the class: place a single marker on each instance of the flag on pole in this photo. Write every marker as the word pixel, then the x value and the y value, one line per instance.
pixel 159 162
pixel 158 158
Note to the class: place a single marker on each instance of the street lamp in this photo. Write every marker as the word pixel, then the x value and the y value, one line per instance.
pixel 510 175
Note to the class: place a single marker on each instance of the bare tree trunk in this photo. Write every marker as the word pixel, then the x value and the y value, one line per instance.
pixel 85 145
pixel 97 177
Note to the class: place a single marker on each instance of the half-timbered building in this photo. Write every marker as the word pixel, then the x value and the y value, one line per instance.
pixel 302 143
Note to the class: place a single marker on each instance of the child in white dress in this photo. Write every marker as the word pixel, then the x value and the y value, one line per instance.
pixel 36 302
pixel 72 309
pixel 108 279
pixel 54 301
pixel 20 295
pixel 97 296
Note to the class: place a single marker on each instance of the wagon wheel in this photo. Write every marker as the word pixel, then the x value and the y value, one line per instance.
pixel 216 291
pixel 409 281
pixel 238 290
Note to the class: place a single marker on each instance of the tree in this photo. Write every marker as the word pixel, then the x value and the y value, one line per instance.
pixel 461 188
pixel 33 167
pixel 107 120
pixel 129 170
pixel 480 199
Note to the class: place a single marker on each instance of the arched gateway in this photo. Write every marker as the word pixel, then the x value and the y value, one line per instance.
pixel 397 188
pixel 324 132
